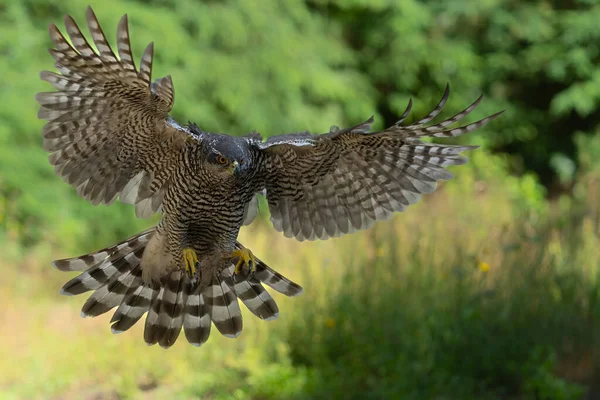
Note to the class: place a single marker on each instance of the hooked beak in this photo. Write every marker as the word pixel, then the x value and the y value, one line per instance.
pixel 235 168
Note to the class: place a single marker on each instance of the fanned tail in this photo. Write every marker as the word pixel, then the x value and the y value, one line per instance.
pixel 196 320
pixel 115 276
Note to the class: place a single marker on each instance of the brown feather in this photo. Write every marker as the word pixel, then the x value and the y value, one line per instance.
pixel 107 122
pixel 321 186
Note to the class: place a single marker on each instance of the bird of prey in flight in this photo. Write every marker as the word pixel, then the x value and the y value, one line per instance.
pixel 109 135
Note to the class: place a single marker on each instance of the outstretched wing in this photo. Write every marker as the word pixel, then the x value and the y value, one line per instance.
pixel 321 186
pixel 108 130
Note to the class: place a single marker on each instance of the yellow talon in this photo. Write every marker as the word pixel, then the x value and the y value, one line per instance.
pixel 191 260
pixel 245 257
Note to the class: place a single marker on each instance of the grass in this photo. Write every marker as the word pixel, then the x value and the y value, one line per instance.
pixel 463 297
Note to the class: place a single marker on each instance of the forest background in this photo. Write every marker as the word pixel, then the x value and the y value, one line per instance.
pixel 487 289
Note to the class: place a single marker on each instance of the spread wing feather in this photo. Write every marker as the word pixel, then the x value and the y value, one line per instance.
pixel 321 186
pixel 108 130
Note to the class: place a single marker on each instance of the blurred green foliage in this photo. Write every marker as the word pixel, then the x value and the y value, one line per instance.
pixel 486 290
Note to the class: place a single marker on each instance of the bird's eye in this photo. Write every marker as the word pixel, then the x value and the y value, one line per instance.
pixel 222 160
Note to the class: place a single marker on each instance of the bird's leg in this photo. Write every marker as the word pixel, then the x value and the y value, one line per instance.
pixel 190 259
pixel 245 258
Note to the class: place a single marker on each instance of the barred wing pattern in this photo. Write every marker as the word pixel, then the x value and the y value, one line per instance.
pixel 108 128
pixel 321 186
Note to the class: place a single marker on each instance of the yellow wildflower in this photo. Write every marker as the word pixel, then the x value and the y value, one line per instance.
pixel 330 322
pixel 483 266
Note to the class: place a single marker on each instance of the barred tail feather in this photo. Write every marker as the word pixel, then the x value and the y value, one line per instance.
pixel 277 281
pixel 152 330
pixel 104 273
pixel 171 313
pixel 132 308
pixel 223 308
pixel 108 254
pixel 256 298
pixel 114 274
pixel 112 293
pixel 196 320
pixel 165 318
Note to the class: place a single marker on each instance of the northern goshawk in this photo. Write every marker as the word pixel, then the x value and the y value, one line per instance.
pixel 110 136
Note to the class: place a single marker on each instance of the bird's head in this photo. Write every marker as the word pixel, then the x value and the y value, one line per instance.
pixel 229 155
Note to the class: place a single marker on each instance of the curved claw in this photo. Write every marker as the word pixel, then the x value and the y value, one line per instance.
pixel 245 258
